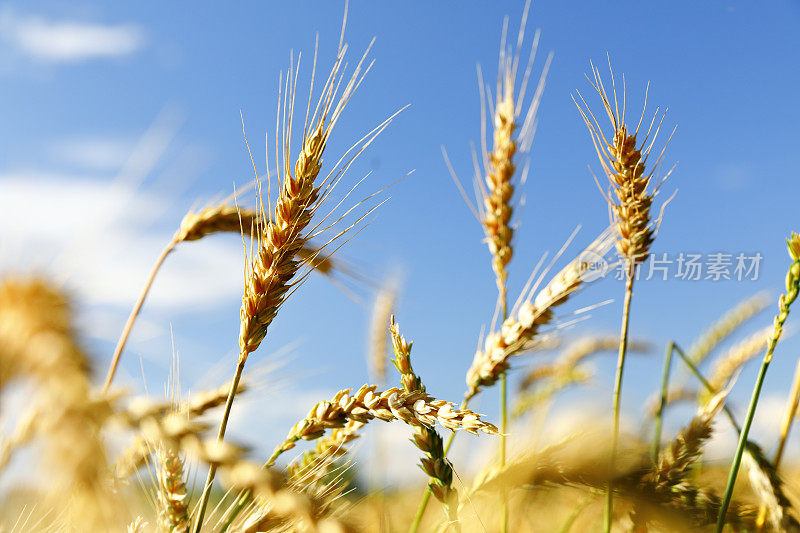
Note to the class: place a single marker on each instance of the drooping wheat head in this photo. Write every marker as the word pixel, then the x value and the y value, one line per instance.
pixel 427 439
pixel 417 408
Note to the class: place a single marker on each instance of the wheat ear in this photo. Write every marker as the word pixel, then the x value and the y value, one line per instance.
pixel 674 461
pixel 173 515
pixel 768 486
pixel 729 363
pixel 159 424
pixel 520 329
pixel 575 353
pixel 37 340
pixel 365 404
pixel 727 324
pixel 784 305
pixel 427 439
pixel 378 341
pixel 136 455
pixel 281 234
pixel 220 218
pixel 623 159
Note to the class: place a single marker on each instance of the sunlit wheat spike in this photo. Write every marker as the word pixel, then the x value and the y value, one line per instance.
pixel 434 464
pixel 37 340
pixel 727 324
pixel 365 404
pixel 513 130
pixel 625 162
pixel 528 316
pixel 674 461
pixel 173 509
pixel 730 362
pixel 576 352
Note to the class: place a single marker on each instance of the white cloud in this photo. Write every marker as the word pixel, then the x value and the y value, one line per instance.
pixel 93 153
pixel 68 41
pixel 94 236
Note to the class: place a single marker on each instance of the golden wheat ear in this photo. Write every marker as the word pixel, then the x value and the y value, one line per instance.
pixel 37 340
pixel 624 159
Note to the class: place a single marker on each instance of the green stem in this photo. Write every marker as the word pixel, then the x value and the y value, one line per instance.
pixel 710 388
pixel 212 470
pixel 623 346
pixel 737 459
pixel 662 403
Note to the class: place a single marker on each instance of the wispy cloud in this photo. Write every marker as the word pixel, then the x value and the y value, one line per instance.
pixel 93 153
pixel 68 41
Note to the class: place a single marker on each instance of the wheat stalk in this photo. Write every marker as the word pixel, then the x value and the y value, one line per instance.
pixel 623 159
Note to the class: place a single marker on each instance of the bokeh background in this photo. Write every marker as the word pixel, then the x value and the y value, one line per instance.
pixel 116 118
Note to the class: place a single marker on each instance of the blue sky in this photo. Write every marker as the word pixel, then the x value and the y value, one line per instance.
pixel 119 117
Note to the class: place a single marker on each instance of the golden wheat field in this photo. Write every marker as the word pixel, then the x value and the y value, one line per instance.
pixel 86 448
